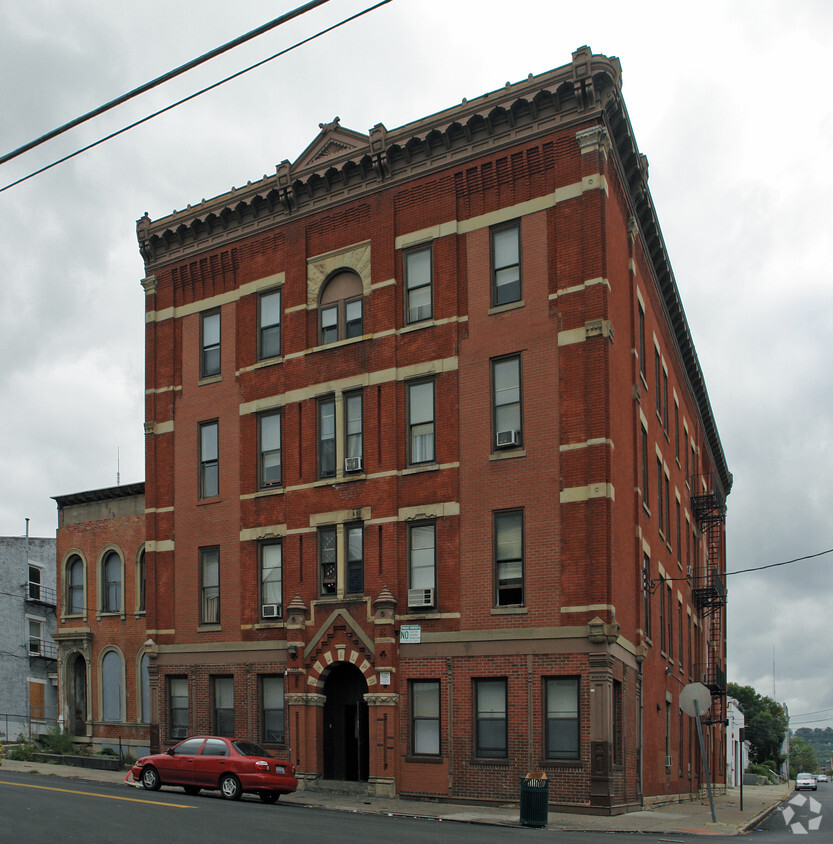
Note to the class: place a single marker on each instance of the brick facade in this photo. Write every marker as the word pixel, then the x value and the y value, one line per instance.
pixel 613 600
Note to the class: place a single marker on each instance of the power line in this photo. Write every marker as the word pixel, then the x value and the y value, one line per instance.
pixel 165 77
pixel 784 563
pixel 192 96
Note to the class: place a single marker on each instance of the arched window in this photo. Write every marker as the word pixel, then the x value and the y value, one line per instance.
pixel 111 582
pixel 112 687
pixel 340 308
pixel 144 689
pixel 140 582
pixel 75 585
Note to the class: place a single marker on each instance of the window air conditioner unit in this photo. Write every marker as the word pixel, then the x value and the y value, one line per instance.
pixel 506 439
pixel 352 464
pixel 420 598
pixel 667 761
pixel 271 610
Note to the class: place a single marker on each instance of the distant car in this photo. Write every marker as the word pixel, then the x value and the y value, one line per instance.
pixel 822 778
pixel 233 766
pixel 805 781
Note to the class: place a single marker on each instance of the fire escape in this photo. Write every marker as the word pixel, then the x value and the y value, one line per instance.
pixel 709 588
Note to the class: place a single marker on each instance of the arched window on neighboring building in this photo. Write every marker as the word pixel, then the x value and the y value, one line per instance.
pixel 112 687
pixel 340 308
pixel 140 582
pixel 144 688
pixel 111 582
pixel 74 598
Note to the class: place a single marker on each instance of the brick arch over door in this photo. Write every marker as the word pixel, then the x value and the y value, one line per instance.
pixel 335 655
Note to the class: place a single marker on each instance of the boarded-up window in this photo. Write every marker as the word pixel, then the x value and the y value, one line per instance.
pixel 37 706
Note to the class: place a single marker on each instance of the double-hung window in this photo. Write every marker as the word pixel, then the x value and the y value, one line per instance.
pixel 75 586
pixel 178 706
pixel 421 422
pixel 509 558
pixel 328 559
pixel 269 435
pixel 210 344
pixel 418 284
pixel 425 717
pixel 209 460
pixel 269 324
pixel 35 580
pixel 491 734
pixel 340 308
pixel 506 402
pixel 353 445
pixel 112 687
pixel 422 565
pixel 271 580
pixel 272 699
pixel 326 437
pixel 561 728
pixel 354 539
pixel 111 582
pixel 209 586
pixel 506 264
pixel 35 646
pixel 223 706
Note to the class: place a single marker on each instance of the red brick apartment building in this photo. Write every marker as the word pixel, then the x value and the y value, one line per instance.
pixel 435 495
pixel 103 678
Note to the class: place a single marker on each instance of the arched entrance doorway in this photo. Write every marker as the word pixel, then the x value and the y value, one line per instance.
pixel 346 745
pixel 77 696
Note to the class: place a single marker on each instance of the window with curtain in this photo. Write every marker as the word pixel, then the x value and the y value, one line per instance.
pixel 421 422
pixel 509 558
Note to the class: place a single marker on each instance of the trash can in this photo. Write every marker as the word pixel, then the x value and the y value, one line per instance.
pixel 535 796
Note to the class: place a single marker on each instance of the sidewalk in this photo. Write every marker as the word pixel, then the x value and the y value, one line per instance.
pixel 691 817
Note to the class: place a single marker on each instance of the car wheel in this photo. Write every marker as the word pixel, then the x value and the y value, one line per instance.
pixel 150 778
pixel 270 796
pixel 230 787
pixel 192 789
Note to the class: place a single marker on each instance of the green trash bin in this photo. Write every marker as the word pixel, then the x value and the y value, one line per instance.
pixel 535 797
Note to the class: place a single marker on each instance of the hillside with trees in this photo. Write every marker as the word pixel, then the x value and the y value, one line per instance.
pixel 821 741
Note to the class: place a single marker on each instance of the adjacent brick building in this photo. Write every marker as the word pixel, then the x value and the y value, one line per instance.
pixel 435 495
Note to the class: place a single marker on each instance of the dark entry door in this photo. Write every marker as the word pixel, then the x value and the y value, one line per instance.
pixel 78 696
pixel 345 724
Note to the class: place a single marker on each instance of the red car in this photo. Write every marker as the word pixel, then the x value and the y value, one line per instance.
pixel 231 765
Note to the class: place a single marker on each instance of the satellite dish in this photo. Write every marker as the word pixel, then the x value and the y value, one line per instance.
pixel 695 693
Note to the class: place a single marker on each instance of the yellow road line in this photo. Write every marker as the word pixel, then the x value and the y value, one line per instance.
pixel 92 794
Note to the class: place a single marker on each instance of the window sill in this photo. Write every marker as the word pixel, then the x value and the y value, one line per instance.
pixel 209 379
pixel 509 611
pixel 214 499
pixel 277 489
pixel 509 306
pixel 337 344
pixel 209 628
pixel 426 467
pixel 507 454
pixel 427 760
pixel 416 326
pixel 503 762
pixel 268 625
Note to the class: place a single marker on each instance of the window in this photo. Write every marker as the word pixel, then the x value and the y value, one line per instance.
pixel 272 716
pixel 328 560
pixel 269 324
pixel 421 422
pixel 670 619
pixel 209 460
pixel 661 522
pixel 662 613
pixel 641 339
pixel 111 582
pixel 112 687
pixel 667 508
pixel 210 344
pixel 326 438
pixel 210 586
pixel 425 717
pixel 178 700
pixel 658 380
pixel 215 747
pixel 685 452
pixel 35 628
pixel 562 733
pixel 422 559
pixel 665 400
pixel 418 284
pixel 224 706
pixel 271 580
pixel 679 530
pixel 506 402
pixel 646 590
pixel 681 633
pixel 341 308
pixel 144 689
pixel 645 489
pixel 75 586
pixel 35 580
pixel 354 535
pixel 506 264
pixel 509 562
pixel 269 436
pixel 141 580
pixel 490 719
pixel 353 431
pixel 677 430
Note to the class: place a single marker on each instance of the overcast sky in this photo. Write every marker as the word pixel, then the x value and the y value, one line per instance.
pixel 728 100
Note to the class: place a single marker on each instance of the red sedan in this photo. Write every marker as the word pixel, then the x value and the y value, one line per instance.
pixel 230 765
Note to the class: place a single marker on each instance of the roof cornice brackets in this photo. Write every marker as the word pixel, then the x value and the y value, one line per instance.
pixel 583 78
pixel 379 152
pixel 286 190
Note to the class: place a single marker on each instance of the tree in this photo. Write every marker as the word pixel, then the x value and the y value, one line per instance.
pixel 802 756
pixel 765 721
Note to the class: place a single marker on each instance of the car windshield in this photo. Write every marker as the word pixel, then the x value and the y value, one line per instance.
pixel 249 748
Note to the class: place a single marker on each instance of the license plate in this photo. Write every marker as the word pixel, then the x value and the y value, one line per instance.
pixel 279 769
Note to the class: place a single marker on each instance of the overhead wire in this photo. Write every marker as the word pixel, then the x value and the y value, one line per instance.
pixel 192 96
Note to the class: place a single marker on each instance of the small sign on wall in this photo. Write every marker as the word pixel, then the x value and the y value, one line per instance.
pixel 384 678
pixel 410 634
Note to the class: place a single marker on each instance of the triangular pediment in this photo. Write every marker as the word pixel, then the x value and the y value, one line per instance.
pixel 332 143
pixel 340 618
